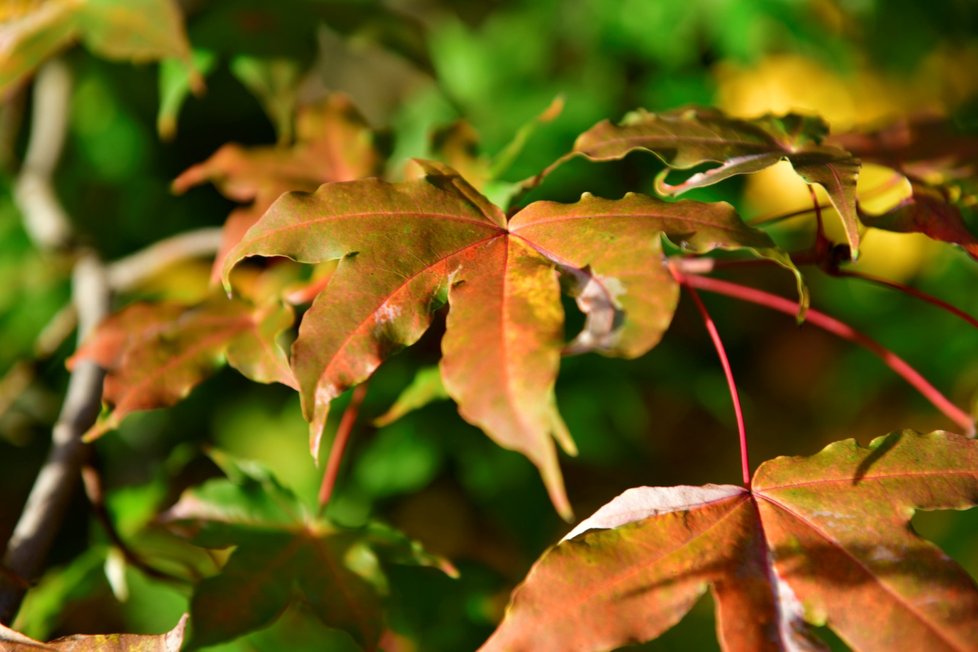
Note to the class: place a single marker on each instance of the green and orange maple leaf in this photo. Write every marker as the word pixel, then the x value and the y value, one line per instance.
pixel 333 143
pixel 155 353
pixel 686 138
pixel 407 248
pixel 137 30
pixel 819 540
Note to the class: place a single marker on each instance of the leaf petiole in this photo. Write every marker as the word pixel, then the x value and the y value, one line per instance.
pixel 339 445
pixel 846 332
pixel 906 289
pixel 727 371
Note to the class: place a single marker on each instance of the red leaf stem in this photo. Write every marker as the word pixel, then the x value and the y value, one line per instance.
pixel 727 371
pixel 906 289
pixel 818 210
pixel 822 243
pixel 780 217
pixel 836 327
pixel 339 445
pixel 875 190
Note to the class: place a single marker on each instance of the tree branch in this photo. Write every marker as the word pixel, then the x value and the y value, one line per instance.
pixel 47 223
pixel 44 218
pixel 128 272
pixel 45 507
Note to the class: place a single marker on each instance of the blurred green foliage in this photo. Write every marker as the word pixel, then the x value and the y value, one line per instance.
pixel 413 66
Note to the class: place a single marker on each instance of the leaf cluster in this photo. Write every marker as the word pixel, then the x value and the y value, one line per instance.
pixel 340 253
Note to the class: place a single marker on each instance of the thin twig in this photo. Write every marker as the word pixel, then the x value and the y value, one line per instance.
pixel 92 481
pixel 906 289
pixel 875 190
pixel 126 273
pixel 58 329
pixel 711 328
pixel 773 219
pixel 339 445
pixel 44 218
pixel 843 330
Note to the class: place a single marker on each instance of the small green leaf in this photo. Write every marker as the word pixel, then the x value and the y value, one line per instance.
pixel 274 81
pixel 426 387
pixel 177 81
pixel 283 550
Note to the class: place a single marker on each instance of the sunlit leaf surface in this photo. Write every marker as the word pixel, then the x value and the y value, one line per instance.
pixel 687 138
pixel 817 540
pixel 171 641
pixel 154 354
pixel 136 30
pixel 404 247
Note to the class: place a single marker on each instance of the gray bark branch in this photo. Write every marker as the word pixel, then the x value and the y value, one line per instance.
pixel 47 223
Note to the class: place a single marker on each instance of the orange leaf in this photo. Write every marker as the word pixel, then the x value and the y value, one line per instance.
pixel 404 247
pixel 817 540
pixel 171 641
pixel 154 354
pixel 334 143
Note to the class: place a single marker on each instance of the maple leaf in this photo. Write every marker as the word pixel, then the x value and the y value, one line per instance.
pixel 405 248
pixel 137 30
pixel 929 148
pixel 927 211
pixel 819 540
pixel 939 161
pixel 271 47
pixel 333 143
pixel 155 353
pixel 283 552
pixel 169 642
pixel 685 138
pixel 457 145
